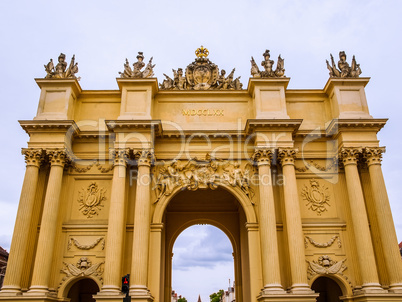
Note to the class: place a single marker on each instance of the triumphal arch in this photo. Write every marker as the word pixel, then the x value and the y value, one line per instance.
pixel 292 177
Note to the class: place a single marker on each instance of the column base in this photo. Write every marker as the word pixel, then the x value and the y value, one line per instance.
pixel 140 294
pixel 301 289
pixel 272 289
pixel 370 288
pixel 393 288
pixel 108 296
pixel 10 291
pixel 389 297
pixel 287 297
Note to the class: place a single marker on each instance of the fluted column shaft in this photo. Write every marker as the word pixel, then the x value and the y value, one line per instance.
pixel 365 252
pixel 384 218
pixel 254 263
pixel 47 233
pixel 293 223
pixel 116 225
pixel 18 251
pixel 267 223
pixel 139 266
pixel 155 261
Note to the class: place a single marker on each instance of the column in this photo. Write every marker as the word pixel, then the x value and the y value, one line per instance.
pixel 18 251
pixel 293 223
pixel 384 218
pixel 267 222
pixel 47 233
pixel 254 263
pixel 364 246
pixel 116 226
pixel 139 266
pixel 155 260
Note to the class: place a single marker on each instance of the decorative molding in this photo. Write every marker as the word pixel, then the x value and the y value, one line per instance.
pixel 311 163
pixel 104 169
pixel 88 246
pixel 90 199
pixel 80 168
pixel 322 245
pixel 207 173
pixel 316 196
pixel 83 267
pixel 326 266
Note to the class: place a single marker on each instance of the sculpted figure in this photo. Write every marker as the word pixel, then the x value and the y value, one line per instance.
pixel 267 64
pixel 61 66
pixel 167 83
pixel 280 67
pixel 137 66
pixel 180 82
pixel 61 71
pixel 255 72
pixel 237 85
pixel 221 79
pixel 345 71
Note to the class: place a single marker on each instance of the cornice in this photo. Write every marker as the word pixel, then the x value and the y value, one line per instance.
pixel 332 82
pixel 261 82
pixel 152 82
pixel 253 125
pixel 350 125
pixel 55 126
pixel 138 125
pixel 73 83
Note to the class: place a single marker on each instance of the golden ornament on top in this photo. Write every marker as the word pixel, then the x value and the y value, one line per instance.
pixel 202 52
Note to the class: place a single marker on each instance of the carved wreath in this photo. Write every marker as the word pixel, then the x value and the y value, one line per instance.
pixel 317 197
pixel 91 199
pixel 86 247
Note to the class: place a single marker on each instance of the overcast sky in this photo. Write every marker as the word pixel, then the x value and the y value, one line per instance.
pixel 102 35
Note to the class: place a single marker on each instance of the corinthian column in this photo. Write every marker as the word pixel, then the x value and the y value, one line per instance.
pixel 384 218
pixel 47 233
pixel 365 252
pixel 116 225
pixel 267 222
pixel 139 265
pixel 18 251
pixel 294 228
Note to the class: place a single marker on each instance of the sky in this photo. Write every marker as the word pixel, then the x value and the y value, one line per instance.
pixel 102 35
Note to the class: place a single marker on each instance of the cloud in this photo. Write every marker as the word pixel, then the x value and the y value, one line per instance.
pixel 201 246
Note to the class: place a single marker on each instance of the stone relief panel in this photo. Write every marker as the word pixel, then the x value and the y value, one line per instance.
pixel 83 267
pixel 90 199
pixel 197 174
pixel 316 199
pixel 308 239
pixel 325 265
pixel 73 241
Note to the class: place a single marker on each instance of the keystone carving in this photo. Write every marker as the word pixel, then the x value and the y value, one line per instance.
pixel 344 71
pixel 268 65
pixel 317 197
pixel 83 267
pixel 86 247
pixel 202 74
pixel 91 199
pixel 208 173
pixel 136 72
pixel 308 239
pixel 61 71
pixel 325 265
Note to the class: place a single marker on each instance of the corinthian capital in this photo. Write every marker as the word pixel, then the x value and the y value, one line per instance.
pixel 57 157
pixel 262 156
pixel 119 156
pixel 373 155
pixel 350 155
pixel 33 157
pixel 144 157
pixel 287 156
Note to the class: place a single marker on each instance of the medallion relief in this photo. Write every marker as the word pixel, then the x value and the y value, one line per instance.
pixel 317 197
pixel 90 199
pixel 83 267
pixel 325 265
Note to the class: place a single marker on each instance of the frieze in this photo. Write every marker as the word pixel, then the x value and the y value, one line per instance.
pixel 317 197
pixel 91 199
pixel 202 112
pixel 201 74
pixel 197 174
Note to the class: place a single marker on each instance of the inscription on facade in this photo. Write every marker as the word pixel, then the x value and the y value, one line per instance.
pixel 202 112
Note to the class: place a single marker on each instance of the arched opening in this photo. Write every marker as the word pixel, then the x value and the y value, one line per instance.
pixel 328 290
pixel 83 290
pixel 202 262
pixel 220 208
